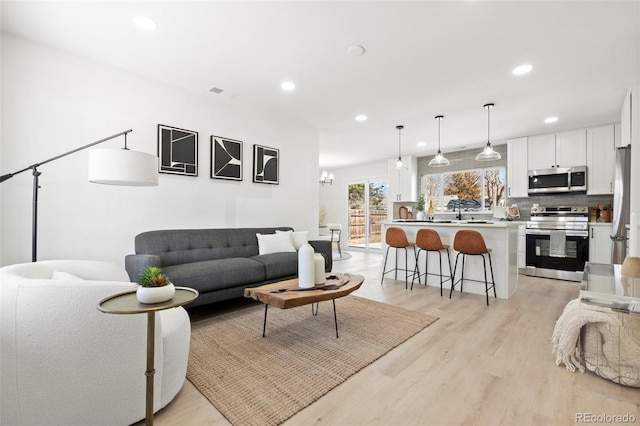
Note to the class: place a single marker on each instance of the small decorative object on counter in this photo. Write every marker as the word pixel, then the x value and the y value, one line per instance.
pixel 155 286
pixel 430 216
pixel 419 207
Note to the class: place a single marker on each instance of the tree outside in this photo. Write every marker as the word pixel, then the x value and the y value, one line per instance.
pixel 482 188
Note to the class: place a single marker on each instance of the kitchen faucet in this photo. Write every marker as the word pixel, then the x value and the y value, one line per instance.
pixel 459 215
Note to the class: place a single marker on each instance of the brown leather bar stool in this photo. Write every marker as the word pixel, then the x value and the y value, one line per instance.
pixel 429 240
pixel 471 243
pixel 396 237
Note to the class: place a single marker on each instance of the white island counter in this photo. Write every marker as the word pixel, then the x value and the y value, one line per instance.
pixel 500 236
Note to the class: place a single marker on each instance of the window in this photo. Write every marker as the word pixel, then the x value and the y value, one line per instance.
pixel 467 190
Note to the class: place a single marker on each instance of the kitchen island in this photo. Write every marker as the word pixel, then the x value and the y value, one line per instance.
pixel 500 236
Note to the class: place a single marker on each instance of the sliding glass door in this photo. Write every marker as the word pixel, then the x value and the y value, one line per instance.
pixel 367 209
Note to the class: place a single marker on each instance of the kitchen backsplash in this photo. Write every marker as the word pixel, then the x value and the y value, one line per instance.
pixel 524 204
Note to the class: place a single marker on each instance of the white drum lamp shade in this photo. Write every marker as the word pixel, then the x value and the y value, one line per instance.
pixel 112 166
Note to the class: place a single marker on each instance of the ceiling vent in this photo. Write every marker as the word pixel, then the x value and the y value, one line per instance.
pixel 225 94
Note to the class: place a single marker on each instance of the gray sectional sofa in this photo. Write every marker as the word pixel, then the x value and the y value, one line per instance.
pixel 219 263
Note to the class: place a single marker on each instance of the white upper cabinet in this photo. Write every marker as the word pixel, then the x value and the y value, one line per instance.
pixel 571 148
pixel 601 159
pixel 563 149
pixel 542 151
pixel 517 168
pixel 403 183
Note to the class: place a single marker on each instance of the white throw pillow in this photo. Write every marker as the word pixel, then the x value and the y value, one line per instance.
pixel 61 275
pixel 275 243
pixel 299 238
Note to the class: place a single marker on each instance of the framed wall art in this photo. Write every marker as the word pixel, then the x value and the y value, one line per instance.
pixel 178 151
pixel 226 158
pixel 266 164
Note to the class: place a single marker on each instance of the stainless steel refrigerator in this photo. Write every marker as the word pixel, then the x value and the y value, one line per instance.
pixel 621 204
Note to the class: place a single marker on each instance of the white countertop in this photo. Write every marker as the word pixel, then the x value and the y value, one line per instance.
pixel 455 223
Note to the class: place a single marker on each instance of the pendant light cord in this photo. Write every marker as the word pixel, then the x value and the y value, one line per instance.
pixel 399 127
pixel 439 120
pixel 488 108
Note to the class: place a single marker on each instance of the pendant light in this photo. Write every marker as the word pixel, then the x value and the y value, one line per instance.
pixel 399 163
pixel 488 154
pixel 439 160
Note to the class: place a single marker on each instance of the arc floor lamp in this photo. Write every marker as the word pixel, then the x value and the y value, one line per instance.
pixel 109 166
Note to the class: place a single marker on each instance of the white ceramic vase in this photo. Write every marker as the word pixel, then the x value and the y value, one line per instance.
pixel 420 215
pixel 150 295
pixel 305 267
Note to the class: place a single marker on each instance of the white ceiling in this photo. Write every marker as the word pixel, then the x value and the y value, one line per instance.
pixel 423 58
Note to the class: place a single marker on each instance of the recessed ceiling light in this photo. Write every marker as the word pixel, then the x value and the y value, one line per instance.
pixel 522 69
pixel 356 50
pixel 287 85
pixel 422 144
pixel 549 120
pixel 145 23
pixel 361 117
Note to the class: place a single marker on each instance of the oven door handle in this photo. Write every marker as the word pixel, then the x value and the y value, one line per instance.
pixel 568 232
pixel 537 232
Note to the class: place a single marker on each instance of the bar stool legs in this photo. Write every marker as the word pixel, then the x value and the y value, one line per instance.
pixel 426 268
pixel 471 243
pixel 429 241
pixel 396 269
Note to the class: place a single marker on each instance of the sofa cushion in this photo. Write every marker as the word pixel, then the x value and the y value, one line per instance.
pixel 275 243
pixel 299 238
pixel 278 265
pixel 213 275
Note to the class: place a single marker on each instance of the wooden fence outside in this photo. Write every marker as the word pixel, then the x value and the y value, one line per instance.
pixel 357 225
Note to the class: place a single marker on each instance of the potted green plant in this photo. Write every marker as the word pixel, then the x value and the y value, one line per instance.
pixel 419 207
pixel 154 286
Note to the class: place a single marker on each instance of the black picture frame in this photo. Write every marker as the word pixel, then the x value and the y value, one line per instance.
pixel 177 151
pixel 226 158
pixel 266 165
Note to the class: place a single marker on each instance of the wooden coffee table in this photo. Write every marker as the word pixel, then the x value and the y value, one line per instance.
pixel 287 294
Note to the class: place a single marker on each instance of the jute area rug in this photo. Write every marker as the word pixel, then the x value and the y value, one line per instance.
pixel 253 380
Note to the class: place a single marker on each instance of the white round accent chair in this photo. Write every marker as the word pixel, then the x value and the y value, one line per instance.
pixel 66 363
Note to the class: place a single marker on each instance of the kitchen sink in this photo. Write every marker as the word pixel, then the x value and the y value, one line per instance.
pixel 478 221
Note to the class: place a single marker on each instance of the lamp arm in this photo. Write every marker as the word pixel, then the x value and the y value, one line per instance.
pixel 33 166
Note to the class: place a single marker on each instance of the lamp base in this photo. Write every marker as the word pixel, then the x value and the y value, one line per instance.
pixel 631 267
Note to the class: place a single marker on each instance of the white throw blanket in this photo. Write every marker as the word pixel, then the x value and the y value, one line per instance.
pixel 610 355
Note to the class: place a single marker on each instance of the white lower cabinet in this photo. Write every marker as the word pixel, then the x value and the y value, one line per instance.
pixel 600 246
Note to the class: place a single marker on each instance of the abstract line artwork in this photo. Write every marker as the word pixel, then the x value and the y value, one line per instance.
pixel 265 164
pixel 226 158
pixel 178 151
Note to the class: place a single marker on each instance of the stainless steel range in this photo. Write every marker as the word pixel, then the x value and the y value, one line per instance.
pixel 557 243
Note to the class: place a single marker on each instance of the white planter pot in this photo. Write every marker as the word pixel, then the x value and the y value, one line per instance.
pixel 420 215
pixel 150 295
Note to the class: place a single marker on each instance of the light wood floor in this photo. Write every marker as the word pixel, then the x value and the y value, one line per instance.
pixel 476 365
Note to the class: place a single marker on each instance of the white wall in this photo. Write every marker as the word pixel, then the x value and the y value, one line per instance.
pixel 53 102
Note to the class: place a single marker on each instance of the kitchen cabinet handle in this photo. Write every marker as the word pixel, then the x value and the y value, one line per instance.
pixel 509 192
pixel 591 232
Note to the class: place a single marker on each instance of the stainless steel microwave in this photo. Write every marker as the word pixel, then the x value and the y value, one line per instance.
pixel 558 180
